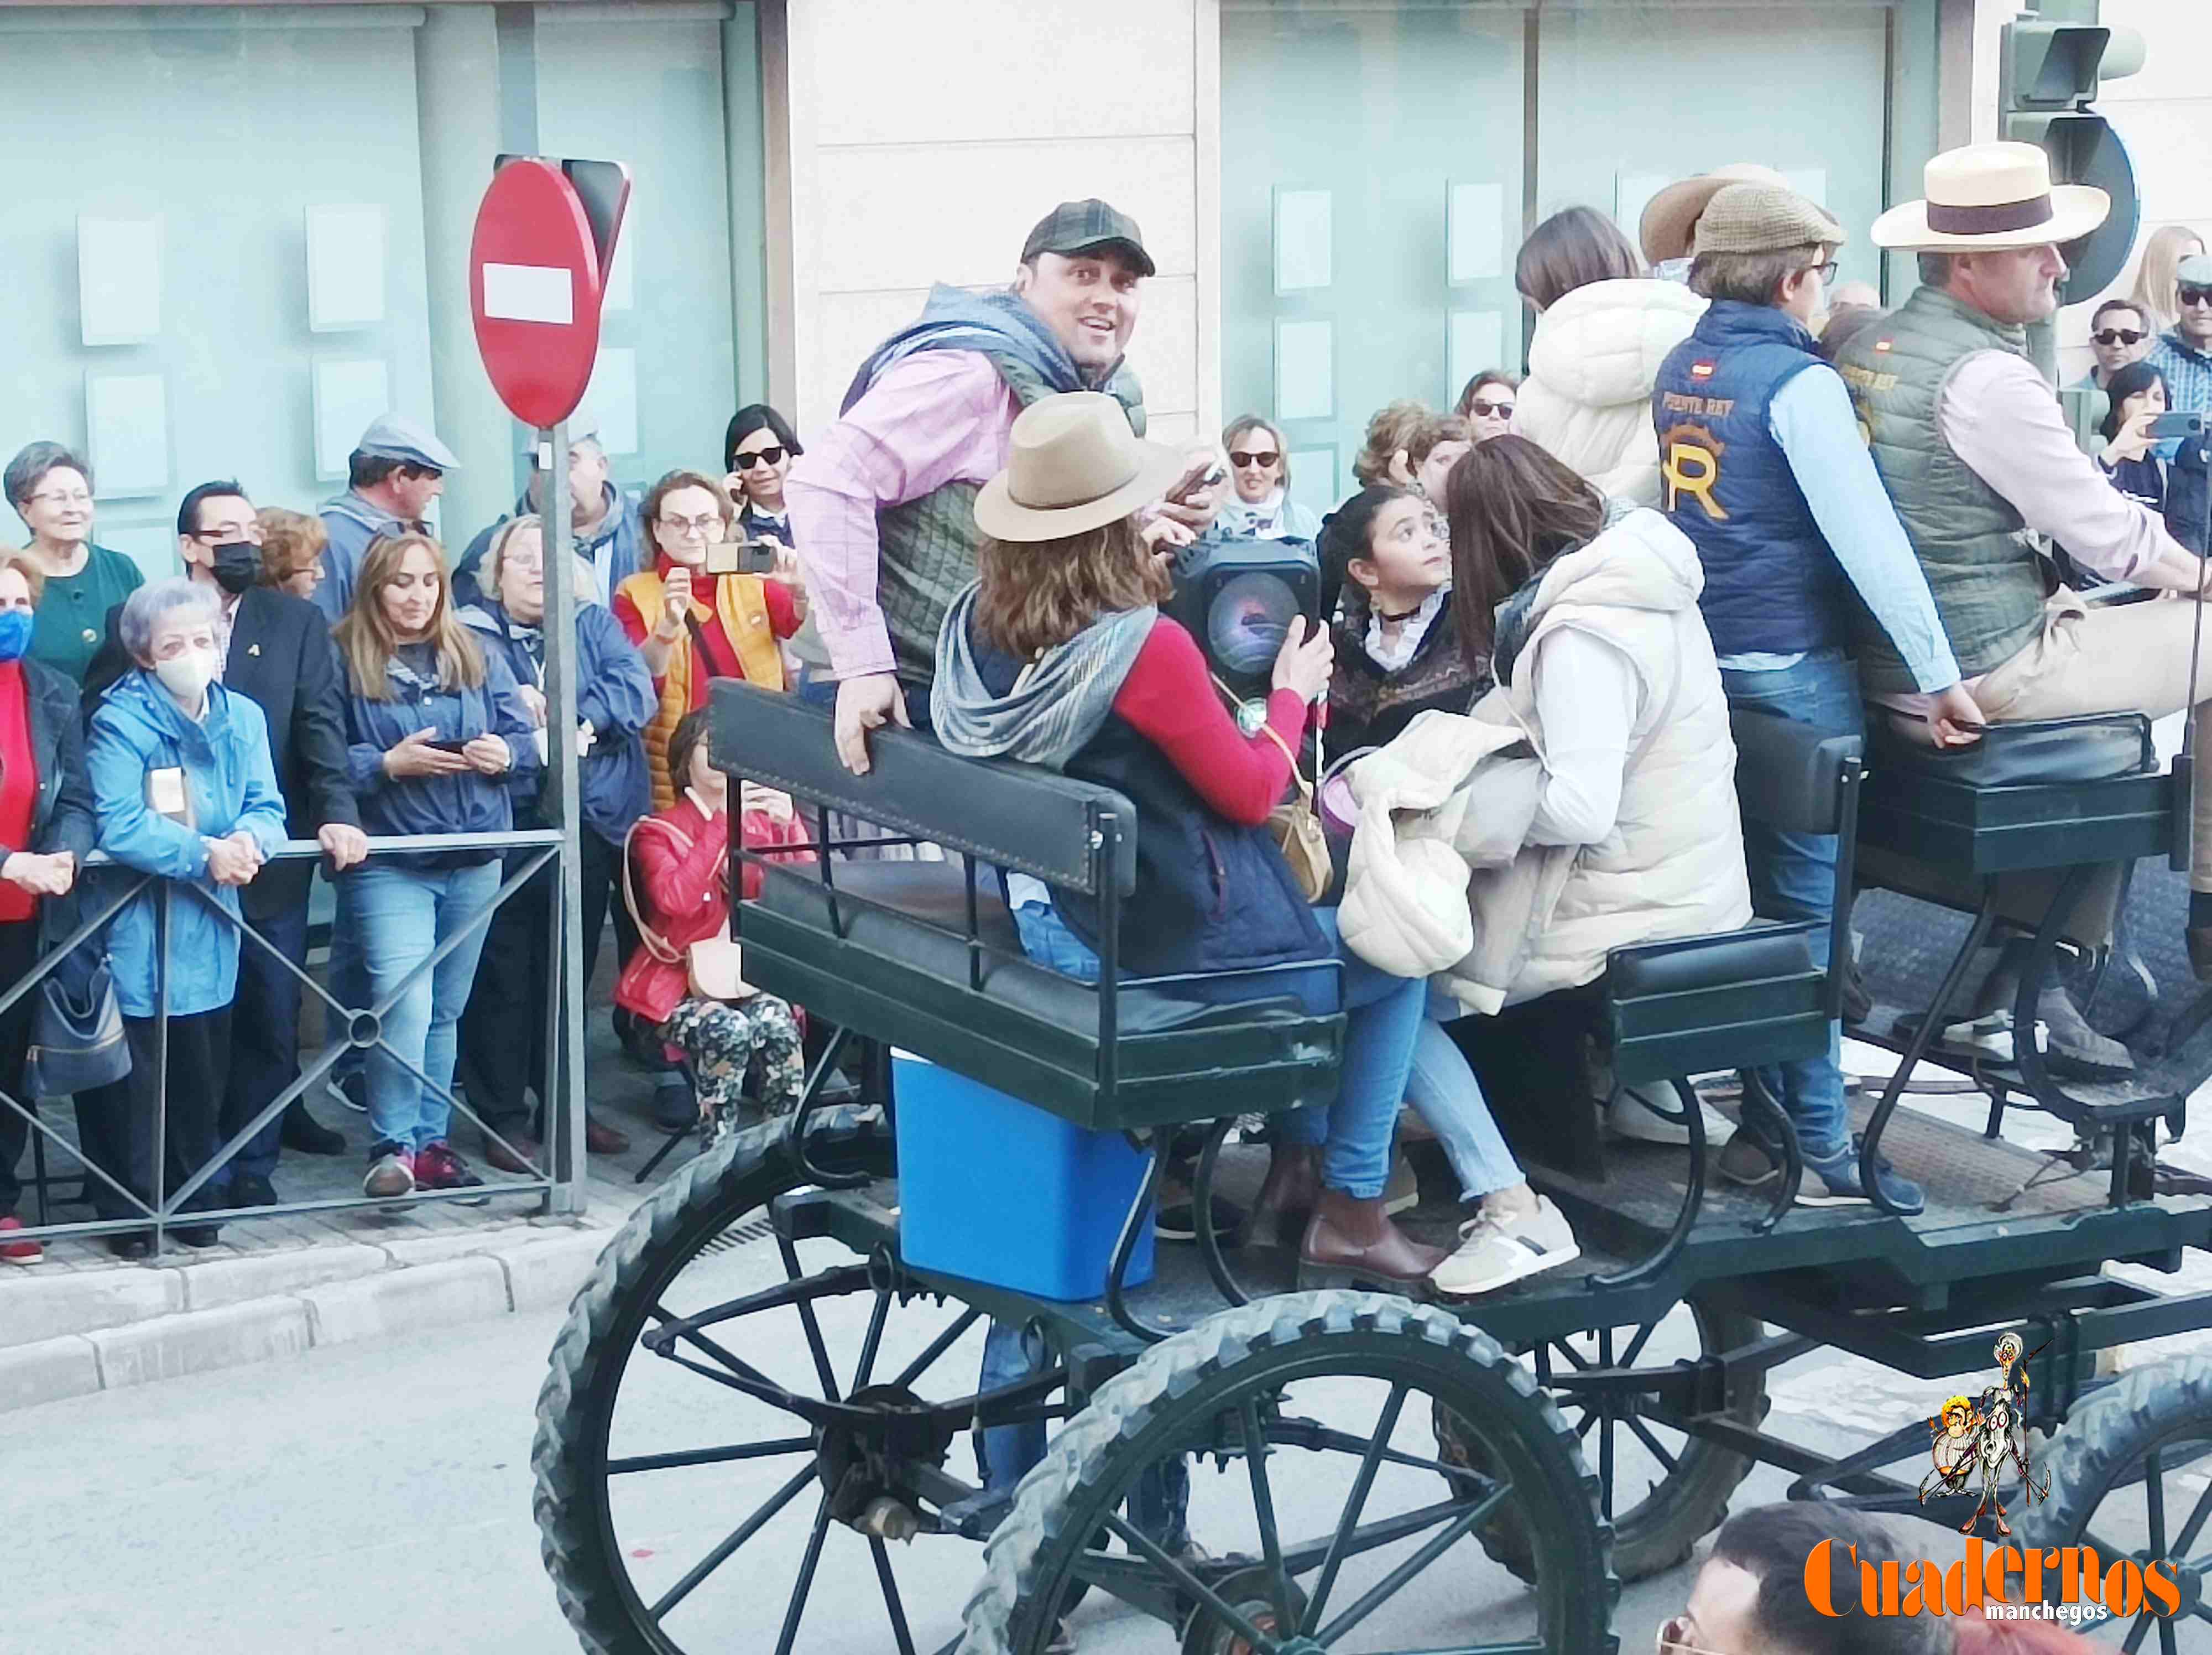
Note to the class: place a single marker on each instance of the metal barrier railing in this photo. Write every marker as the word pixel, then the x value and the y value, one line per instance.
pixel 556 1184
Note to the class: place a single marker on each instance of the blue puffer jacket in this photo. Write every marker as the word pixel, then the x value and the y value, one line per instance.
pixel 136 729
pixel 467 803
pixel 614 695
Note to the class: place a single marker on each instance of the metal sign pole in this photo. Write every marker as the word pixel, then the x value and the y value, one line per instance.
pixel 564 1109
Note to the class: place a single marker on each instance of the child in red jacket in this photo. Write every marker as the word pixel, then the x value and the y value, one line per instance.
pixel 682 858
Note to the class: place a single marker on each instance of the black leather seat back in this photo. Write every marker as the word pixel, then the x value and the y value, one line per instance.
pixel 1015 816
pixel 1789 776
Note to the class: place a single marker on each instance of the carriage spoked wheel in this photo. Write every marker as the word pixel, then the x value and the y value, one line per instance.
pixel 2130 1475
pixel 681 1508
pixel 1267 1483
pixel 1662 1489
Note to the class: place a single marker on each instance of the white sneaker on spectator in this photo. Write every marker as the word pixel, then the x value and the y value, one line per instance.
pixel 1495 1253
pixel 1628 1116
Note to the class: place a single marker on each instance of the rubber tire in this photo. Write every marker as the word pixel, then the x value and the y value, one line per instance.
pixel 1667 1523
pixel 2106 1437
pixel 1091 1450
pixel 738 1178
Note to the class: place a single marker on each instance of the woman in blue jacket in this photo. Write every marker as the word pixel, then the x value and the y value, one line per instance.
pixel 502 1046
pixel 183 787
pixel 440 743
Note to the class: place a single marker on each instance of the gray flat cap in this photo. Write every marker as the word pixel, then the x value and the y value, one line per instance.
pixel 2195 269
pixel 395 436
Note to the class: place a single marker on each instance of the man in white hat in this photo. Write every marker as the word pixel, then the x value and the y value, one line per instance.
pixel 1969 441
pixel 1762 466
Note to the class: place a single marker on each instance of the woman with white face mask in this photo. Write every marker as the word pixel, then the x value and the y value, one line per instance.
pixel 183 786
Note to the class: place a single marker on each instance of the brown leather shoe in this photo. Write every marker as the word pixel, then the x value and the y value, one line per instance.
pixel 1350 1241
pixel 1287 1196
pixel 499 1158
pixel 600 1139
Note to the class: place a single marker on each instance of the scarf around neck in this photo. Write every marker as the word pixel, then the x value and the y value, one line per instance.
pixel 1056 705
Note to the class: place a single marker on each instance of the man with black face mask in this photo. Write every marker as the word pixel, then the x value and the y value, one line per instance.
pixel 275 650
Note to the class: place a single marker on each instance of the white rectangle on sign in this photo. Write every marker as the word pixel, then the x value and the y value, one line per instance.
pixel 612 399
pixel 345 267
pixel 1303 235
pixel 1476 213
pixel 1305 370
pixel 1477 342
pixel 126 416
pixel 349 396
pixel 530 293
pixel 119 279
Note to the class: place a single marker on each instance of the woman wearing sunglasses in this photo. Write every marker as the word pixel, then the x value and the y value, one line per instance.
pixel 1260 507
pixel 1486 404
pixel 756 454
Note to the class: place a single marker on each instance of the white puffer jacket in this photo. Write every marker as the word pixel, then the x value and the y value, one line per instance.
pixel 1538 918
pixel 1591 369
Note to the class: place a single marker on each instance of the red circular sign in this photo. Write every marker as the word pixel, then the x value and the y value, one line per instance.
pixel 534 291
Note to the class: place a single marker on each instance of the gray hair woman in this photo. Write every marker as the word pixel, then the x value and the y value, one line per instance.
pixel 51 489
pixel 182 787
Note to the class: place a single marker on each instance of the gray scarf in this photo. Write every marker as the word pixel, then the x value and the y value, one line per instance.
pixel 1057 704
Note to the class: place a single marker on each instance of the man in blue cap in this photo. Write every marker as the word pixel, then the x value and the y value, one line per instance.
pixel 394 472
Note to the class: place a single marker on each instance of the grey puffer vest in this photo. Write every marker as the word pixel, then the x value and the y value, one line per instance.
pixel 1983 570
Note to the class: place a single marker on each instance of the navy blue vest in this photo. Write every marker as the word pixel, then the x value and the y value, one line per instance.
pixel 1772 584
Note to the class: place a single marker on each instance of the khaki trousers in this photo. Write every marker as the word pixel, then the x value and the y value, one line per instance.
pixel 2132 659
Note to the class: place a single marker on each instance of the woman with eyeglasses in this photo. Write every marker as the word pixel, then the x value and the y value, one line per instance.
pixel 695 618
pixel 1486 404
pixel 1260 507
pixel 51 489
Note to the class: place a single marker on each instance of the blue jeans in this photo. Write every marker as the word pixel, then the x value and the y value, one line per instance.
pixel 1444 1093
pixel 1792 876
pixel 399 916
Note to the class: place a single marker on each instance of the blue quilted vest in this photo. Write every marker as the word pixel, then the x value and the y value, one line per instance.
pixel 1772 584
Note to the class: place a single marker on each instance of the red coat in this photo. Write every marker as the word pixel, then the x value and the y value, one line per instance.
pixel 685 894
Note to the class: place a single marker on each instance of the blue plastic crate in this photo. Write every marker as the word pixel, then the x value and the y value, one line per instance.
pixel 996 1191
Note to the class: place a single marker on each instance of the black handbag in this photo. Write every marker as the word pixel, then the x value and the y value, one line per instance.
pixel 2092 747
pixel 77 1026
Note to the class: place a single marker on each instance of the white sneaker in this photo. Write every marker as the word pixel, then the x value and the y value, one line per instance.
pixel 1494 1253
pixel 1628 1116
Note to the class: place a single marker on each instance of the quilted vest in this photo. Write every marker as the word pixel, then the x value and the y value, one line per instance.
pixel 742 605
pixel 1985 574
pixel 927 547
pixel 1772 583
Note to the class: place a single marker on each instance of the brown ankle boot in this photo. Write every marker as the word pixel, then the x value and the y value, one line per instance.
pixel 1287 1196
pixel 1351 1240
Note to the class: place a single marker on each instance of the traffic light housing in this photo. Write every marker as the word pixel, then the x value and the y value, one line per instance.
pixel 2053 73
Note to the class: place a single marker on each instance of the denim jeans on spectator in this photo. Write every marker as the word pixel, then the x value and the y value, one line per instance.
pixel 1443 1092
pixel 399 915
pixel 1793 876
pixel 264 1044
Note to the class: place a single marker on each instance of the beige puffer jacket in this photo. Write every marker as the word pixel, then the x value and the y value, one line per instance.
pixel 1540 918
pixel 1591 369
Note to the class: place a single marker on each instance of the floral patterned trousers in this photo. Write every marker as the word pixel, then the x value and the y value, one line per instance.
pixel 720 1038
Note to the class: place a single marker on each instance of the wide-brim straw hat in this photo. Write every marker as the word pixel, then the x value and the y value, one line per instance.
pixel 1671 216
pixel 1072 465
pixel 1990 197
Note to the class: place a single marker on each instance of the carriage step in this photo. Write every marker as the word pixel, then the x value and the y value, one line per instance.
pixel 975 1517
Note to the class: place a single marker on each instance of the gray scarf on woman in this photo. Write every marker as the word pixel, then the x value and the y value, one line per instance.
pixel 1057 704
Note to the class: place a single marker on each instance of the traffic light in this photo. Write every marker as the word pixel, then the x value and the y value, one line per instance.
pixel 2052 70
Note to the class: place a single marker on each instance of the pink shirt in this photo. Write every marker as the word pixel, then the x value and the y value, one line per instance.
pixel 939 416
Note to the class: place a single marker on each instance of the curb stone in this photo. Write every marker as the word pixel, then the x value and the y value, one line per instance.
pixel 47 1371
pixel 405 1301
pixel 170 1347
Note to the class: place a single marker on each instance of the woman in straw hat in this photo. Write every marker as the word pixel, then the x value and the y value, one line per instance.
pixel 1972 448
pixel 1058 656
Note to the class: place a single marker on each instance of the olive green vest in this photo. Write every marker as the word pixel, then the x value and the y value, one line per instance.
pixel 927 546
pixel 1984 573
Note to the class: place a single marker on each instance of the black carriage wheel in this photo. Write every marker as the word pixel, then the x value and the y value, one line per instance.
pixel 2135 1454
pixel 1237 1379
pixel 1687 1482
pixel 618 1306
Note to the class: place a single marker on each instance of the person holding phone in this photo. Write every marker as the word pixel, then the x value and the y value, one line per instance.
pixel 2130 458
pixel 710 607
pixel 439 742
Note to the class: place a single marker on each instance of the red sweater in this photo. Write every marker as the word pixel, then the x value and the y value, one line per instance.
pixel 1170 699
pixel 19 784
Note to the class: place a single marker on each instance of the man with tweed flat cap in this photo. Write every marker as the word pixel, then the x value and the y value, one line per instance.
pixel 1762 465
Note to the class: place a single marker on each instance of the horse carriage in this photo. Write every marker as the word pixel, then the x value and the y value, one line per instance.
pixel 1250 1464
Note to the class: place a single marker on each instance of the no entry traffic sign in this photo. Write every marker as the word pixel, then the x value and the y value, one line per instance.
pixel 537 266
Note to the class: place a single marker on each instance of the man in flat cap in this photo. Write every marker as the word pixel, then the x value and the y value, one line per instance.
pixel 1971 444
pixel 882 503
pixel 1762 465
pixel 394 472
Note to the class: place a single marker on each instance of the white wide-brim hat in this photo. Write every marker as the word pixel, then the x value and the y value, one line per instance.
pixel 1989 196
pixel 1072 465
